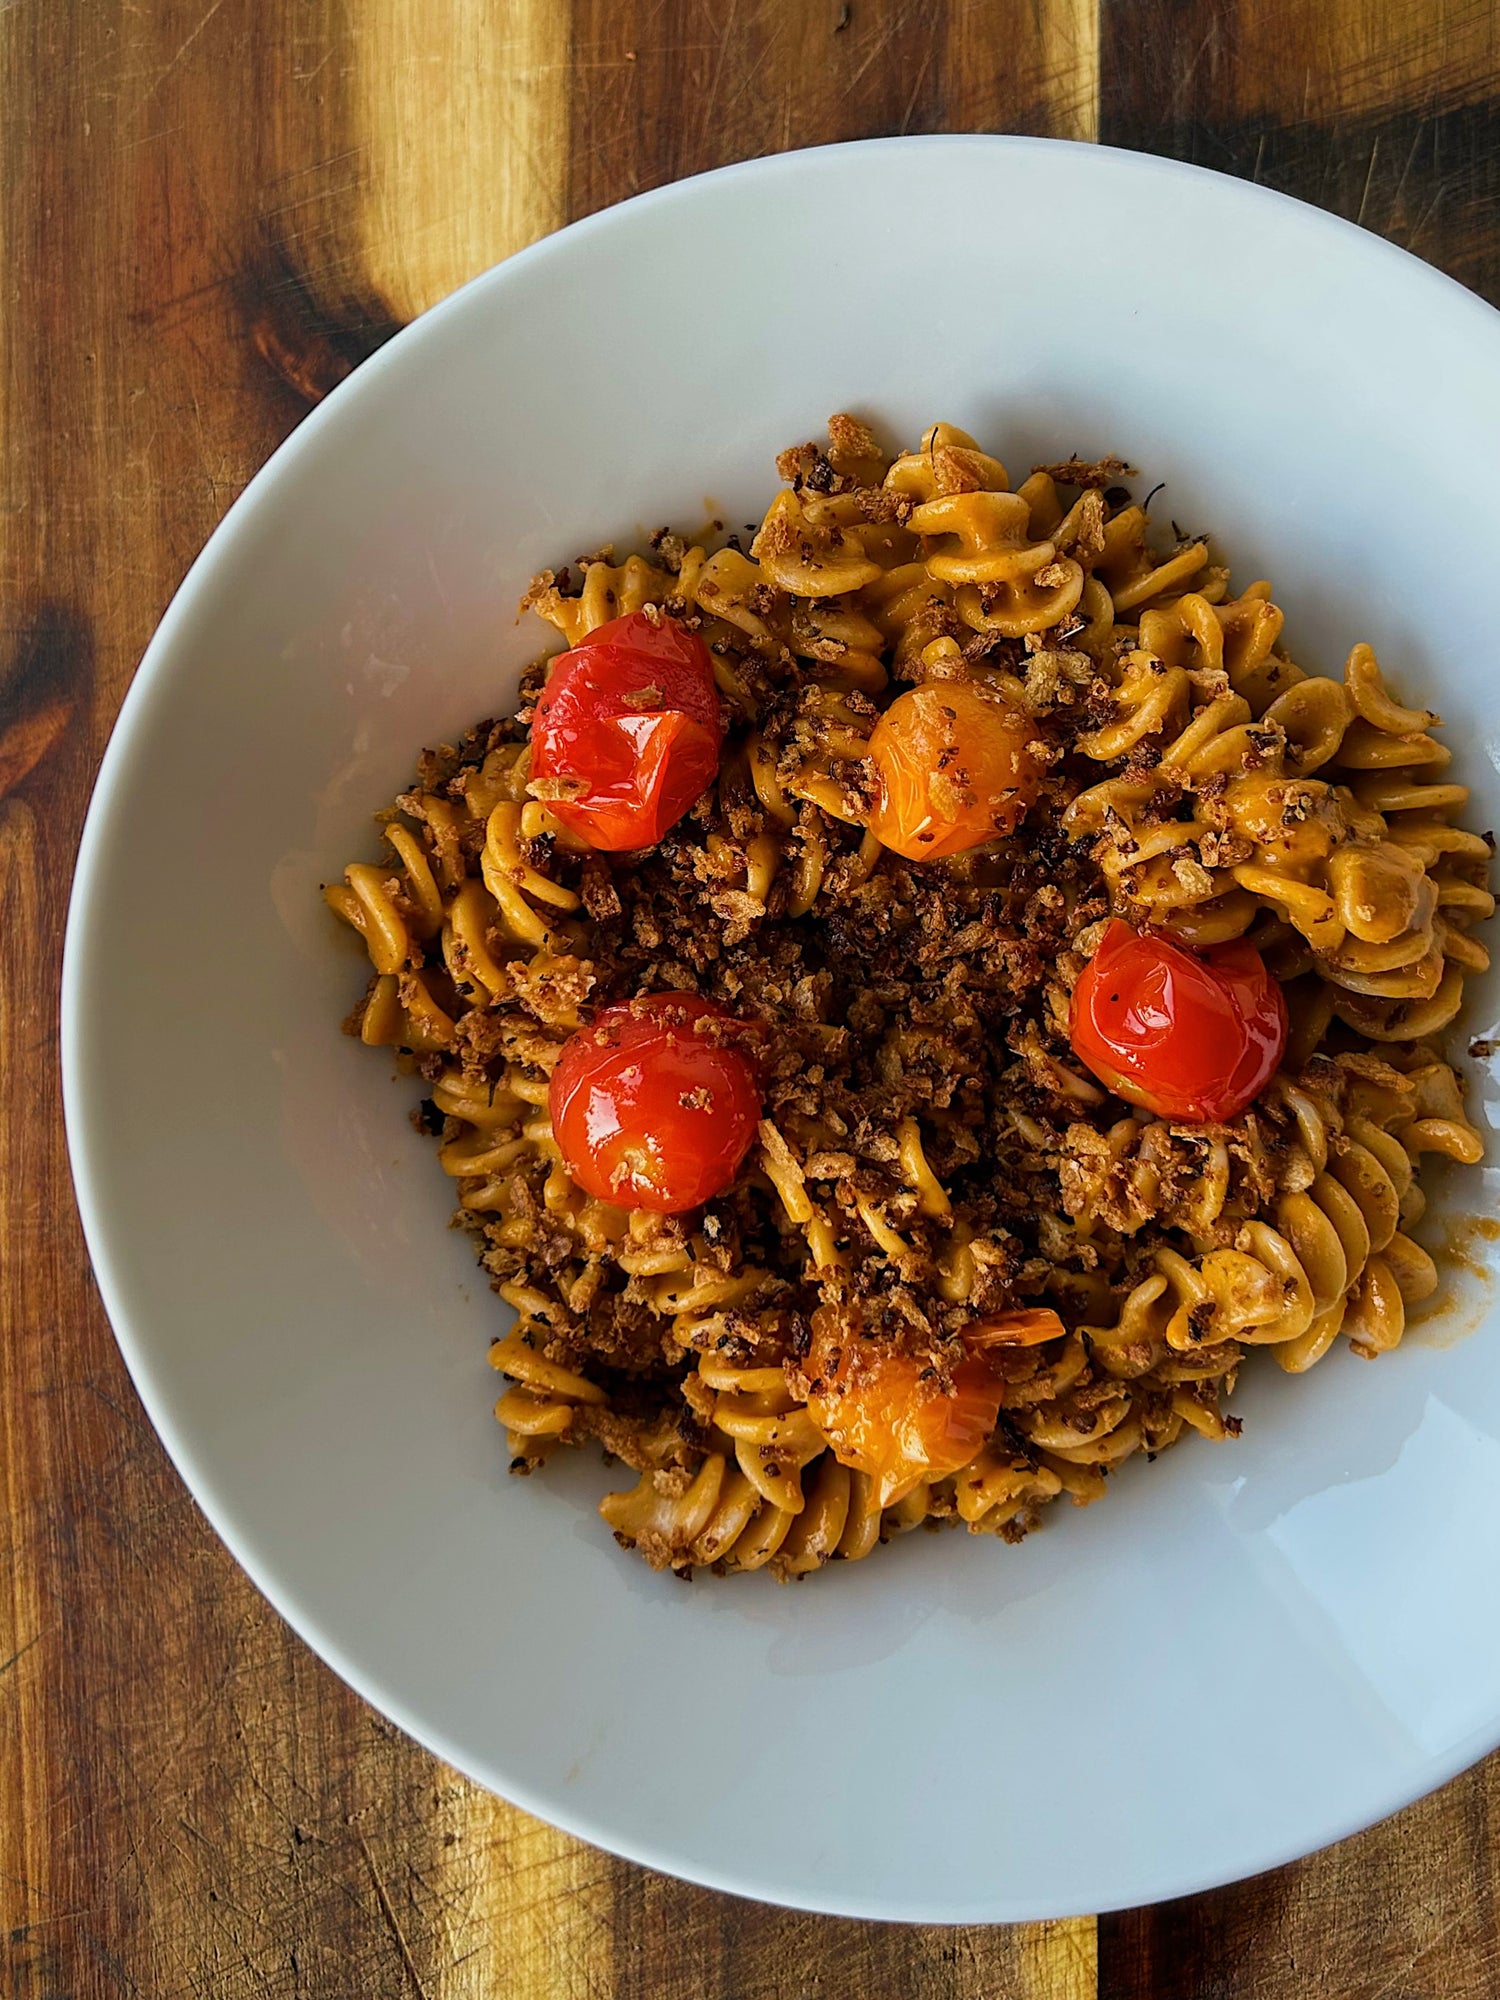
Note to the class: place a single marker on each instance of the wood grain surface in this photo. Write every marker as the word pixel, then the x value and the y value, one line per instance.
pixel 210 212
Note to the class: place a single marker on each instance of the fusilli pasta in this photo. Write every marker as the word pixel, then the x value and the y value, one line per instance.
pixel 932 1153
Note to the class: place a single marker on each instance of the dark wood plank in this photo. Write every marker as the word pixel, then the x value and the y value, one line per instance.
pixel 1403 1912
pixel 1389 114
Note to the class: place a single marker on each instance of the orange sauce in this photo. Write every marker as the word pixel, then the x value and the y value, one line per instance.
pixel 1448 1317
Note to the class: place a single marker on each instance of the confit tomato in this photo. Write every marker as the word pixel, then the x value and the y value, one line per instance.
pixel 890 1415
pixel 954 769
pixel 650 1109
pixel 1189 1037
pixel 627 731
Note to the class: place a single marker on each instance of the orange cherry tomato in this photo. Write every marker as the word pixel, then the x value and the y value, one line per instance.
pixel 630 721
pixel 954 769
pixel 1187 1037
pixel 648 1110
pixel 891 1416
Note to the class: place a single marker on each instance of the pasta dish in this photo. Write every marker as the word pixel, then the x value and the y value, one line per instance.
pixel 915 998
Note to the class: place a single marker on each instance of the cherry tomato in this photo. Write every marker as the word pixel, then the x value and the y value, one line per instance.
pixel 648 1110
pixel 890 1415
pixel 1187 1037
pixel 630 720
pixel 954 769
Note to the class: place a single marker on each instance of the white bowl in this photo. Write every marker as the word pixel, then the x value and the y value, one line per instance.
pixel 1248 1650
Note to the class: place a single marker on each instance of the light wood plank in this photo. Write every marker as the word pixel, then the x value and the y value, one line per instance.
pixel 1059 1961
pixel 1041 63
pixel 532 1909
pixel 461 115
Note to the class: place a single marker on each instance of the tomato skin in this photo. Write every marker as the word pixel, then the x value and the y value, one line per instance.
pixel 1188 1037
pixel 649 1113
pixel 954 769
pixel 643 763
pixel 890 1416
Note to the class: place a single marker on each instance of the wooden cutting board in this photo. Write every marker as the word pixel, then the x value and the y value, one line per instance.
pixel 210 211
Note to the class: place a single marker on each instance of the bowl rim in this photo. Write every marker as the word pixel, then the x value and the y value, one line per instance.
pixel 153 683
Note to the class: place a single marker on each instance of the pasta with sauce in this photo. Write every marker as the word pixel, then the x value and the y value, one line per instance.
pixel 958 1266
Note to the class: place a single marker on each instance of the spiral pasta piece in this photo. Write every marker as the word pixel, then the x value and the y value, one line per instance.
pixel 539 1409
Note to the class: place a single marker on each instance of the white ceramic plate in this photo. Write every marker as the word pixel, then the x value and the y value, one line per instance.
pixel 1247 1650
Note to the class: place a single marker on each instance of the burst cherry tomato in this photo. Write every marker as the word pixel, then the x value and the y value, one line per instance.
pixel 954 769
pixel 891 1416
pixel 650 1109
pixel 1187 1037
pixel 629 723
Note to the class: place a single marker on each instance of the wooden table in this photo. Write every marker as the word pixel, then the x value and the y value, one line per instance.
pixel 210 211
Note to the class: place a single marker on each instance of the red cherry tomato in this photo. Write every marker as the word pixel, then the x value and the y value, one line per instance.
pixel 651 1112
pixel 630 720
pixel 1187 1037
